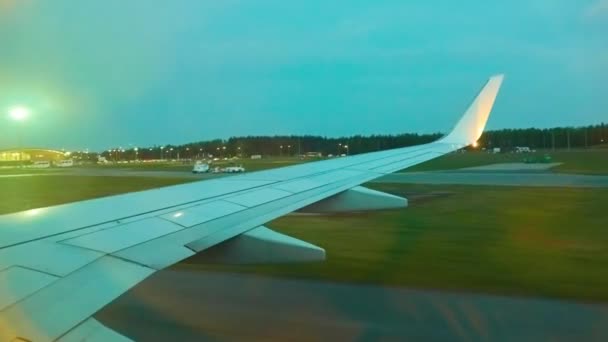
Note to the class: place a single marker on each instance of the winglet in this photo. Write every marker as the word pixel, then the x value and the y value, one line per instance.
pixel 473 122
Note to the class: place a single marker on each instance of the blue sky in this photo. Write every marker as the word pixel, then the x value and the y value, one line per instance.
pixel 98 74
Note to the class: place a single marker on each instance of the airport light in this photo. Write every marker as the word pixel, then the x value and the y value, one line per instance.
pixel 19 113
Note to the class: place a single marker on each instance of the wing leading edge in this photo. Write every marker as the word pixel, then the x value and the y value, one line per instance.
pixel 60 265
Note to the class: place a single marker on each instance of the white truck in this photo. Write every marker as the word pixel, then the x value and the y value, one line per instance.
pixel 200 168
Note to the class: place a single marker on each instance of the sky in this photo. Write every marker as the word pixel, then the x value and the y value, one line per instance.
pixel 102 74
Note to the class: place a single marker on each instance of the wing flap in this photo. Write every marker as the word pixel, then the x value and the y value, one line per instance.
pixel 93 331
pixel 59 307
pixel 17 283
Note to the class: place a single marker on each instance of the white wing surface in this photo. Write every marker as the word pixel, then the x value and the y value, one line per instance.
pixel 60 265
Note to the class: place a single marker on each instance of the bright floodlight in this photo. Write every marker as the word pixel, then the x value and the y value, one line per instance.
pixel 19 113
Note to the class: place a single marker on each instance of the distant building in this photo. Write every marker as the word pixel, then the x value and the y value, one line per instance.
pixel 256 156
pixel 30 154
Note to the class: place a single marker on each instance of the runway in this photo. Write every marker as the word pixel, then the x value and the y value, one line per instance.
pixel 186 305
pixel 497 178
pixel 490 177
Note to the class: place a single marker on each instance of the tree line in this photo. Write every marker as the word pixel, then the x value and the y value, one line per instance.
pixel 506 139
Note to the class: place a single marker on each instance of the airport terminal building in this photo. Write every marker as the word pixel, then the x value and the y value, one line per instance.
pixel 30 154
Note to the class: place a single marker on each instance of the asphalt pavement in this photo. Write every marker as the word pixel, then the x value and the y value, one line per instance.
pixel 497 178
pixel 186 305
pixel 490 176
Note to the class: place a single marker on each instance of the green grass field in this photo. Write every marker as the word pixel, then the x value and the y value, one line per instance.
pixel 503 240
pixel 23 193
pixel 592 161
pixel 526 241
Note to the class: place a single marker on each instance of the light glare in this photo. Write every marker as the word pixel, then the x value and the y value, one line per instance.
pixel 19 113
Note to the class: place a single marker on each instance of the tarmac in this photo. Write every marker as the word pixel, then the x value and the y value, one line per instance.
pixel 186 305
pixel 492 175
pixel 497 179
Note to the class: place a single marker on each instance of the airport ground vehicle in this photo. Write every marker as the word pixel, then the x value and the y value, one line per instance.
pixel 234 169
pixel 64 163
pixel 41 164
pixel 200 168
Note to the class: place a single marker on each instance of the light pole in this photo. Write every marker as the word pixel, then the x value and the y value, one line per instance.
pixel 161 152
pixel 346 147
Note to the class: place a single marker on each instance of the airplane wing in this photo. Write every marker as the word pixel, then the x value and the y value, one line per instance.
pixel 60 265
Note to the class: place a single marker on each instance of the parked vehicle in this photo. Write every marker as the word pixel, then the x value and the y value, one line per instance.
pixel 200 168
pixel 234 169
pixel 40 164
pixel 64 163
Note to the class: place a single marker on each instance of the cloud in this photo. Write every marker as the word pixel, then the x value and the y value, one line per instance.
pixel 597 8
